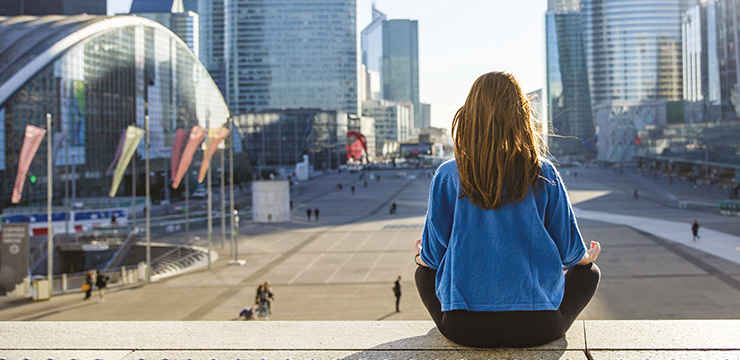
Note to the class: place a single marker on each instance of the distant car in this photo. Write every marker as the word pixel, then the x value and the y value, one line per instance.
pixel 199 193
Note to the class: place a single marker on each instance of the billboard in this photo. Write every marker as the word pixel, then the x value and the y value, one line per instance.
pixel 14 262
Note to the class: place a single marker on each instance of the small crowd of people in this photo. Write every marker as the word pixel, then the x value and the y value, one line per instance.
pixel 263 303
pixel 315 213
pixel 100 281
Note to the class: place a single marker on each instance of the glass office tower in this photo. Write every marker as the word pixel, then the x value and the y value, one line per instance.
pixel 633 49
pixel 569 100
pixel 371 42
pixel 728 12
pixel 213 49
pixel 292 54
pixel 701 85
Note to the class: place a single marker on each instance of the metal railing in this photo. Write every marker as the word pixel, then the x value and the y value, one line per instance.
pixel 66 283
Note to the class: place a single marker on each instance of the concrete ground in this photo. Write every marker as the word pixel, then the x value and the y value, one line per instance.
pixel 343 266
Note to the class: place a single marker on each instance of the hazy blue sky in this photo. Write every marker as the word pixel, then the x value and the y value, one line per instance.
pixel 460 40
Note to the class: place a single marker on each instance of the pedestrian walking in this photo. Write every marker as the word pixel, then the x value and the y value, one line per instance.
pixel 87 287
pixel 101 283
pixel 262 299
pixel 308 213
pixel 695 230
pixel 397 292
pixel 635 195
pixel 364 184
pixel 393 208
pixel 353 190
pixel 316 214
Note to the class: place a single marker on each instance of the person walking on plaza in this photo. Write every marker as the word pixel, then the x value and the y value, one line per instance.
pixel 353 189
pixel 364 184
pixel 635 195
pixel 397 292
pixel 87 287
pixel 496 238
pixel 695 230
pixel 316 214
pixel 393 208
pixel 308 213
pixel 269 297
pixel 101 283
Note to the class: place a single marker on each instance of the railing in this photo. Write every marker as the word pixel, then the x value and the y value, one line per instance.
pixel 38 254
pixel 180 263
pixel 66 283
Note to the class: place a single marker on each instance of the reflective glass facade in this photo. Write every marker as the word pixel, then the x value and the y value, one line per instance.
pixel 289 54
pixel 392 122
pixel 569 100
pixel 371 42
pixel 280 138
pixel 213 21
pixel 701 88
pixel 94 89
pixel 633 49
pixel 52 7
pixel 400 68
pixel 728 12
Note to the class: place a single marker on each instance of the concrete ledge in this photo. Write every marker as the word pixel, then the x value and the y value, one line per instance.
pixel 681 339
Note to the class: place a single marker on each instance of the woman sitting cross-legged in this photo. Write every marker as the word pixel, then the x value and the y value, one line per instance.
pixel 502 262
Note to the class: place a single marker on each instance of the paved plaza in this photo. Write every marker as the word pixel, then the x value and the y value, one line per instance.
pixel 343 266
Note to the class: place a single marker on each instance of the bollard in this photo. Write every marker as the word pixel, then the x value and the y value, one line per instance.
pixel 123 275
pixel 64 283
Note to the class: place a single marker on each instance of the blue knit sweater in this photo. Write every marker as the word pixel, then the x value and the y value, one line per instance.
pixel 508 259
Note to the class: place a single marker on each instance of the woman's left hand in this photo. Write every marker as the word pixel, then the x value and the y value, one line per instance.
pixel 417 247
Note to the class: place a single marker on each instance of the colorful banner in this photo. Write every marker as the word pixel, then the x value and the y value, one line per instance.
pixel 133 137
pixel 181 135
pixel 31 142
pixel 197 134
pixel 119 151
pixel 215 137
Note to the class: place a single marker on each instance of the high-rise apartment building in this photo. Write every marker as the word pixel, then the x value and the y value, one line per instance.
pixel 213 49
pixel 701 85
pixel 390 53
pixel 291 54
pixel 52 7
pixel 728 16
pixel 569 99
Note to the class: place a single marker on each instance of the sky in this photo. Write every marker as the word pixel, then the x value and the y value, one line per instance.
pixel 459 41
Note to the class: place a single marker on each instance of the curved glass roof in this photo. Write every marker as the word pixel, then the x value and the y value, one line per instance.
pixel 28 43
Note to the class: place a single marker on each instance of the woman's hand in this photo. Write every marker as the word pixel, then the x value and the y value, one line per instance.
pixel 591 254
pixel 417 251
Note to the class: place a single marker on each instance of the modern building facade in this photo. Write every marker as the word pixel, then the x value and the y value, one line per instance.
pixel 634 58
pixel 426 116
pixel 390 52
pixel 172 15
pixel 96 75
pixel 728 12
pixel 279 138
pixel 701 80
pixel 213 49
pixel 366 127
pixel 291 54
pixel 52 7
pixel 569 98
pixel 392 123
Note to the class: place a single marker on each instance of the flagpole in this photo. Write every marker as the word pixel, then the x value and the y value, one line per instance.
pixel 232 212
pixel 223 199
pixel 49 195
pixel 147 207
pixel 210 197
pixel 187 206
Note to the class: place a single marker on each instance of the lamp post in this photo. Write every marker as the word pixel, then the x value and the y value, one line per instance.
pixel 223 199
pixel 209 202
pixel 148 206
pixel 233 213
pixel 49 195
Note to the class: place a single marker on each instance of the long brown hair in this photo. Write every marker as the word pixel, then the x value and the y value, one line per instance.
pixel 496 147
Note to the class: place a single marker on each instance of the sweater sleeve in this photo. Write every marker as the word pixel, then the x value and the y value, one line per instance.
pixel 560 221
pixel 438 224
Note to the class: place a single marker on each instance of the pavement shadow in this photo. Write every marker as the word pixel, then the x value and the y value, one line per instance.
pixel 435 345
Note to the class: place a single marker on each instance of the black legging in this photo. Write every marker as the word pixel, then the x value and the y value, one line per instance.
pixel 511 328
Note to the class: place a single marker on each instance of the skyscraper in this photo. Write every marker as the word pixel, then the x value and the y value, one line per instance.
pixel 52 7
pixel 633 49
pixel 728 12
pixel 569 99
pixel 701 85
pixel 292 54
pixel 213 49
pixel 390 49
pixel 172 14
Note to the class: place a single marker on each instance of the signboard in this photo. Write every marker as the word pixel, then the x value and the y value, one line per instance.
pixel 14 262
